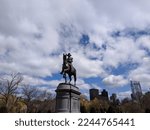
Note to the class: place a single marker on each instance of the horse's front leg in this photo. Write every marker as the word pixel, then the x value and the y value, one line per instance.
pixel 65 77
pixel 70 78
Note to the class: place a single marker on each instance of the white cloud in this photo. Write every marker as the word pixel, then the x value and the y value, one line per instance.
pixel 87 67
pixel 33 36
pixel 82 85
pixel 123 13
pixel 115 81
pixel 37 81
pixel 144 42
pixel 142 73
pixel 121 51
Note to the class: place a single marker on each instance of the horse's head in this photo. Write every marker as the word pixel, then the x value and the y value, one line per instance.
pixel 64 57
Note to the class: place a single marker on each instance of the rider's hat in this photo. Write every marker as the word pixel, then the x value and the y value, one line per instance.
pixel 69 54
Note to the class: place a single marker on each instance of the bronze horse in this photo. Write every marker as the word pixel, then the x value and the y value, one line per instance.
pixel 67 68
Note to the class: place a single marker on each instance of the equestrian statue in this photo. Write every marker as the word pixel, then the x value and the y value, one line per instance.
pixel 68 69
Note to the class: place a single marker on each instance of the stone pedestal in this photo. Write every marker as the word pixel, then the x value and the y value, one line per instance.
pixel 67 98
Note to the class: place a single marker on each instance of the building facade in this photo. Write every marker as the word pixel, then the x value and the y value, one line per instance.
pixel 94 93
pixel 136 90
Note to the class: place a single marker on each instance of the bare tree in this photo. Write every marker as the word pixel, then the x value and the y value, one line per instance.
pixel 29 92
pixel 9 85
pixel 44 95
pixel 36 99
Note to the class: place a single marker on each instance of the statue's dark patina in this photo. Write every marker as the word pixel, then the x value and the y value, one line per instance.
pixel 67 68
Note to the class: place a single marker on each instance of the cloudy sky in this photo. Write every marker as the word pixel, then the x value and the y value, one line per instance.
pixel 108 39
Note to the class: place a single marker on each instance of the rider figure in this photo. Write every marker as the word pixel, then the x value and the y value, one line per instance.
pixel 67 67
pixel 68 62
pixel 69 59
